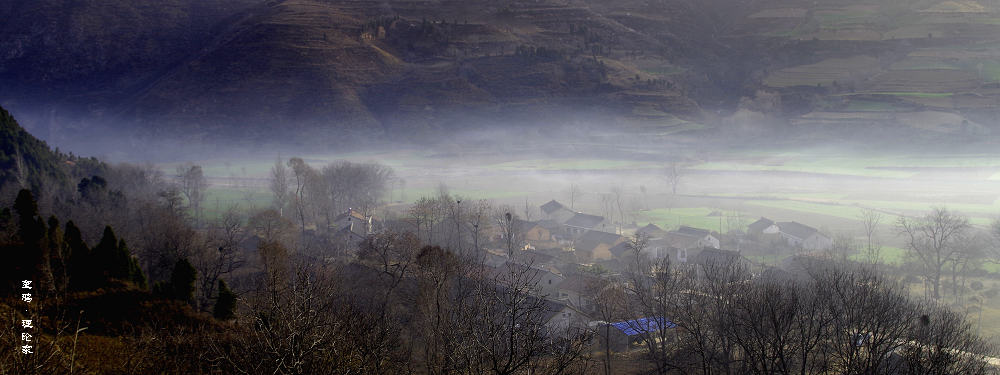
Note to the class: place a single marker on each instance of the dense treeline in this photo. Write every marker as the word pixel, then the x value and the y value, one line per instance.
pixel 825 317
pixel 58 259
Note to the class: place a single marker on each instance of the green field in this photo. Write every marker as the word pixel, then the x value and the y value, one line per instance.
pixel 869 106
pixel 991 71
pixel 889 255
pixel 671 218
pixel 840 211
pixel 833 166
pixel 571 164
pixel 980 215
pixel 917 94
pixel 412 195
pixel 218 199
pixel 858 164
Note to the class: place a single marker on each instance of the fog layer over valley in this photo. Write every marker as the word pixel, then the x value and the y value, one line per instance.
pixel 829 188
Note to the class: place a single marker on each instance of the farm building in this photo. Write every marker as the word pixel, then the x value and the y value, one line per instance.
pixel 620 336
pixel 596 245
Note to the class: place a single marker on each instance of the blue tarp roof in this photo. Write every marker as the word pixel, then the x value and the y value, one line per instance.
pixel 643 325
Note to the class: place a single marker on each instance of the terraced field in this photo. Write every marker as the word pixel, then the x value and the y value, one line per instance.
pixel 924 81
pixel 824 72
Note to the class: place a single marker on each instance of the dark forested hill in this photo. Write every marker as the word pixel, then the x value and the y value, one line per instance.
pixel 362 69
pixel 25 161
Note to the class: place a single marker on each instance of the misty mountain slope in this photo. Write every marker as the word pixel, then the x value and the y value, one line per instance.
pixel 296 63
pixel 93 47
pixel 25 161
pixel 362 69
pixel 323 65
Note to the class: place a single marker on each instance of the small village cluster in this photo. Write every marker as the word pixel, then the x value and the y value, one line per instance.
pixel 570 254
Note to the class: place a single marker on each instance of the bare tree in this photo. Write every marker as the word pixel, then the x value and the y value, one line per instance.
pixel 934 240
pixel 247 189
pixel 301 174
pixel 844 245
pixel 607 205
pixel 512 234
pixel 871 219
pixel 294 322
pixel 477 220
pixel 574 194
pixel 221 255
pixel 425 215
pixel 673 174
pixel 660 297
pixel 995 248
pixel 735 221
pixel 616 193
pixel 970 252
pixel 872 315
pixel 279 185
pixel 944 343
pixel 192 183
pixel 439 296
pixel 164 235
pixel 270 226
pixel 359 186
pixel 609 301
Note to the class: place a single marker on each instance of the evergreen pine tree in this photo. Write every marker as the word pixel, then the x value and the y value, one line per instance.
pixel 28 257
pixel 127 267
pixel 182 280
pixel 225 304
pixel 104 257
pixel 80 265
pixel 135 273
pixel 25 205
pixel 119 268
pixel 58 256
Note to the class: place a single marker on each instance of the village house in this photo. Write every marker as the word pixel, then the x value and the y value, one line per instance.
pixel 556 232
pixel 534 258
pixel 595 245
pixel 535 234
pixel 620 336
pixel 556 212
pixel 704 236
pixel 622 251
pixel 680 245
pixel 353 221
pixel 562 320
pixel 793 233
pixel 346 231
pixel 581 223
pixel 804 236
pixel 578 290
pixel 762 226
pixel 547 277
pixel 652 231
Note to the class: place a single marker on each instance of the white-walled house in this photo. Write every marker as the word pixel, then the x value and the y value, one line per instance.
pixel 793 233
pixel 804 236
